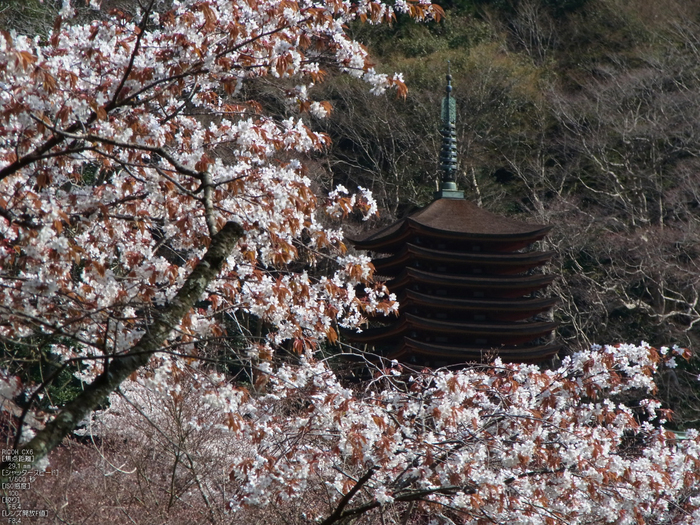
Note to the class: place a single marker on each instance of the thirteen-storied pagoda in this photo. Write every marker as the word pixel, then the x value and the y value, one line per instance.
pixel 463 277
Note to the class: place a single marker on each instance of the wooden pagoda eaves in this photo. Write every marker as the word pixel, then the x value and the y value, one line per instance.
pixel 454 223
pixel 466 293
pixel 466 290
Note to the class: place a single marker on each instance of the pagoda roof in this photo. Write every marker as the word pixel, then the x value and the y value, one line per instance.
pixel 509 262
pixel 506 333
pixel 462 353
pixel 516 285
pixel 453 219
pixel 516 308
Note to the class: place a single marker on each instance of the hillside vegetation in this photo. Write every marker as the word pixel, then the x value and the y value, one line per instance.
pixel 581 114
pixel 584 116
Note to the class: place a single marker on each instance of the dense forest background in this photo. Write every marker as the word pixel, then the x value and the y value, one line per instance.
pixel 583 114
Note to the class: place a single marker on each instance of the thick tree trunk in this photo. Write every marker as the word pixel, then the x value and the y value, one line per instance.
pixel 119 369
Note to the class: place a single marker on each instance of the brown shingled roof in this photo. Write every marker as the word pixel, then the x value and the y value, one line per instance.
pixel 508 333
pixel 456 218
pixel 505 263
pixel 508 309
pixel 461 280
pixel 499 286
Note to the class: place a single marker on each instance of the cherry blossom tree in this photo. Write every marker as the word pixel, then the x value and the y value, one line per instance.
pixel 136 183
pixel 142 198
pixel 502 443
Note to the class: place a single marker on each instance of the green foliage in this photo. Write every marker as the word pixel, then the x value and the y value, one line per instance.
pixel 28 16
pixel 32 361
pixel 408 39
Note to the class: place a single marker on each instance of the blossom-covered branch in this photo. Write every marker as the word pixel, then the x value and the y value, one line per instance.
pixel 502 443
pixel 122 366
pixel 125 148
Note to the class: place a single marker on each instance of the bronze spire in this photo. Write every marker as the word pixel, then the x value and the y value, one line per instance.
pixel 448 152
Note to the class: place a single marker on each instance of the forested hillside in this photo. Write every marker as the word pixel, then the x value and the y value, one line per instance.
pixel 582 114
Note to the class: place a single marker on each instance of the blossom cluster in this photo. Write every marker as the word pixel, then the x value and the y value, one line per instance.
pixel 125 145
pixel 503 443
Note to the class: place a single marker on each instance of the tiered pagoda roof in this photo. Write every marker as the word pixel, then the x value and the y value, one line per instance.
pixel 450 221
pixel 464 279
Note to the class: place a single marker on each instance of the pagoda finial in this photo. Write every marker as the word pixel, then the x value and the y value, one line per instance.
pixel 448 152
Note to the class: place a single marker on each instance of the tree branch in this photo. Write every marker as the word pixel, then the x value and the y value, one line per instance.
pixel 338 513
pixel 416 495
pixel 134 52
pixel 164 321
